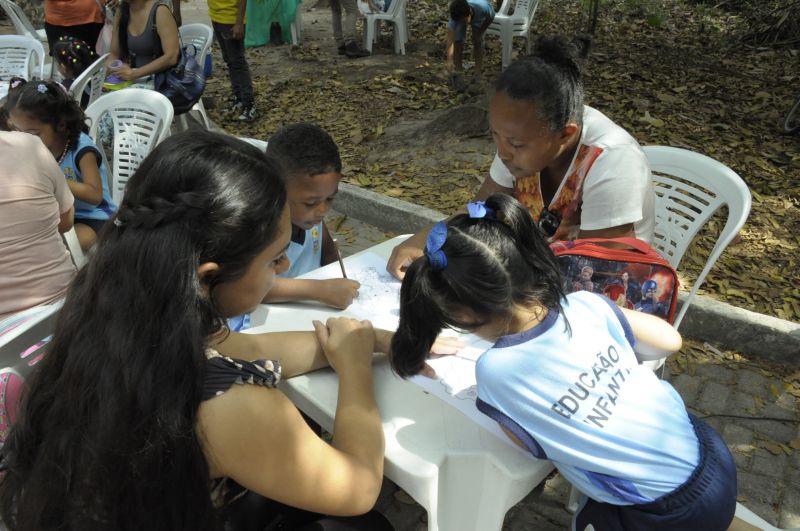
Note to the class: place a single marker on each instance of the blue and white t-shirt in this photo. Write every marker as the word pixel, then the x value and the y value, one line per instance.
pixel 304 252
pixel 610 426
pixel 72 171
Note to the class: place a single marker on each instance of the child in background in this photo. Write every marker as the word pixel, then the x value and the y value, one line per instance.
pixel 46 110
pixel 478 14
pixel 73 57
pixel 563 379
pixel 312 170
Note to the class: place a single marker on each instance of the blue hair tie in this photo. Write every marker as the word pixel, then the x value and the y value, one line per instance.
pixel 41 88
pixel 433 247
pixel 478 209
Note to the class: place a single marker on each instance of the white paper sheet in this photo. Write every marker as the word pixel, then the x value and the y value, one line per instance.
pixel 379 301
pixel 379 295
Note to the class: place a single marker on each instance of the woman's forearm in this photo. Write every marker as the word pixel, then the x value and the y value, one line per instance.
pixel 160 64
pixel 357 428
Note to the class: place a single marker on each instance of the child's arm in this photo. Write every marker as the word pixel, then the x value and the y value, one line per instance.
pixel 91 189
pixel 655 338
pixel 334 292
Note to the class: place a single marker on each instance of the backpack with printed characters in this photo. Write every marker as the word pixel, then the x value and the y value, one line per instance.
pixel 635 277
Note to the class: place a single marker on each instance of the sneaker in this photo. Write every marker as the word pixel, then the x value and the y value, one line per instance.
pixel 354 51
pixel 234 106
pixel 342 50
pixel 248 113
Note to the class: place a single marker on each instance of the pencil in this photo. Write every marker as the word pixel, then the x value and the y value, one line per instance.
pixel 339 256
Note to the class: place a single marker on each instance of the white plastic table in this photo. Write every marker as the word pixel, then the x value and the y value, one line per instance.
pixel 464 476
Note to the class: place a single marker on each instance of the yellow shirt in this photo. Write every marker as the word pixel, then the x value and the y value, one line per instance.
pixel 222 11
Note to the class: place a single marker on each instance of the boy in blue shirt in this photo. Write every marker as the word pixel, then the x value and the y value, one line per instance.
pixel 478 14
pixel 312 170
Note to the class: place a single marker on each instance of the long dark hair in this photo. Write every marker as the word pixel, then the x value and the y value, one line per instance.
pixel 492 264
pixel 106 437
pixel 50 103
pixel 550 78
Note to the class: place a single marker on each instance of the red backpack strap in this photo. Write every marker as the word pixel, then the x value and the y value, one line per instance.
pixel 633 243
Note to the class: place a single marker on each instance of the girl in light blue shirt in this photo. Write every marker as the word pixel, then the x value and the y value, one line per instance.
pixel 563 378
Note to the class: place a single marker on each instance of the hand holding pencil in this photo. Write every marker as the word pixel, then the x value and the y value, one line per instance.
pixel 337 292
pixel 339 257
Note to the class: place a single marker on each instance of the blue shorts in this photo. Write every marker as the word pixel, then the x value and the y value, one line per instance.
pixel 706 501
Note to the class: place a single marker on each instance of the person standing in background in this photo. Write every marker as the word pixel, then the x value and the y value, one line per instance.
pixel 346 37
pixel 227 17
pixel 81 19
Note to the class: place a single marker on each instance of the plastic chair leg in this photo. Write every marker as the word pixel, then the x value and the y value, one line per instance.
pixel 183 124
pixel 506 38
pixel 199 107
pixel 369 33
pixel 399 45
pixel 574 499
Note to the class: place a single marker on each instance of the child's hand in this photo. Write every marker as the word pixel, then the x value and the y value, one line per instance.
pixel 338 292
pixel 443 346
pixel 346 342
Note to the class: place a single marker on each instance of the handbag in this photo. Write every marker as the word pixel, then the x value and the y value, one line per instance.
pixel 635 277
pixel 184 83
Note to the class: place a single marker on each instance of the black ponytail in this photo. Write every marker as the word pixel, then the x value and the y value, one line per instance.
pixel 492 265
pixel 550 78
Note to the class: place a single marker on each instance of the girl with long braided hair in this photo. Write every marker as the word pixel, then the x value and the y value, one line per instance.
pixel 147 414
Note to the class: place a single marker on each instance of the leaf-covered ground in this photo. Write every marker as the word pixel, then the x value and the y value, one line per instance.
pixel 685 83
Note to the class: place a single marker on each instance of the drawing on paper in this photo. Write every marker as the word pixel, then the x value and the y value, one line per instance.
pixel 378 293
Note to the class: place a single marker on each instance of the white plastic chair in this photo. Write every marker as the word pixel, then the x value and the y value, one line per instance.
pixel 746 515
pixel 260 144
pixel 74 247
pixel 141 119
pixel 200 36
pixel 21 56
pixel 517 24
pixel 92 77
pixel 397 16
pixel 690 188
pixel 22 23
pixel 24 340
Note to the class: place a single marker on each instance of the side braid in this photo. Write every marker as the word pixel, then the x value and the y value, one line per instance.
pixel 159 211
